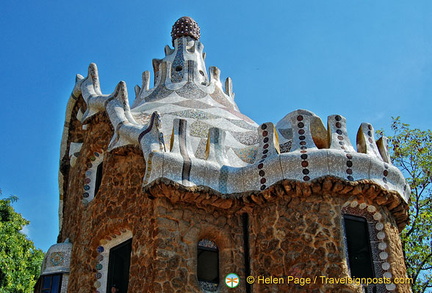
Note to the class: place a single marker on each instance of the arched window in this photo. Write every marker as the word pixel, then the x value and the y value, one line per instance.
pixel 93 177
pixel 366 243
pixel 113 262
pixel 208 265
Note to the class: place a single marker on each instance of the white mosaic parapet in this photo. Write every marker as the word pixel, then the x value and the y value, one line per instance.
pixel 337 134
pixel 304 162
pixel 366 141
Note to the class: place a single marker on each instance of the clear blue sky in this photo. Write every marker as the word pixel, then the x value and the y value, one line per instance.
pixel 367 60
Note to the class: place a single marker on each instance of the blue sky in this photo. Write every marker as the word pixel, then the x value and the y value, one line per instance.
pixel 367 60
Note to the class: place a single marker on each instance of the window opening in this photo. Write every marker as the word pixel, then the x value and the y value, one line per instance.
pixel 118 267
pixel 358 245
pixel 98 177
pixel 208 265
pixel 49 284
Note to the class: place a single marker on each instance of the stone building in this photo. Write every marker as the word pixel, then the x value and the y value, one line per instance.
pixel 180 189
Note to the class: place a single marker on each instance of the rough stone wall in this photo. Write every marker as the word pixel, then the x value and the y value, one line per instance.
pixel 303 237
pixel 395 252
pixel 297 237
pixel 119 206
pixel 179 228
pixel 292 232
pixel 76 133
pixel 95 138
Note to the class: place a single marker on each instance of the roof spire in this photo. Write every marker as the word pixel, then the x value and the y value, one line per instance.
pixel 185 26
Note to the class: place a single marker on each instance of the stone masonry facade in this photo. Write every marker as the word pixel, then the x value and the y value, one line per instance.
pixel 295 229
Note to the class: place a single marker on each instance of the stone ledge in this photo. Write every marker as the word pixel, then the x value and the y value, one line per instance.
pixel 205 197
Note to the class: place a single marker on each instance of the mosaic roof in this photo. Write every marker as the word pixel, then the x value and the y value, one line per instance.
pixel 57 259
pixel 191 131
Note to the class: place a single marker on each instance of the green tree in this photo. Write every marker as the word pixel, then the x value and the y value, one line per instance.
pixel 411 151
pixel 20 261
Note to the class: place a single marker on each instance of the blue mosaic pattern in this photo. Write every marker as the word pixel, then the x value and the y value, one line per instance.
pixel 177 66
pixel 223 178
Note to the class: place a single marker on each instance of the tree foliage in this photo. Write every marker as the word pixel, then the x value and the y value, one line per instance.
pixel 20 261
pixel 411 151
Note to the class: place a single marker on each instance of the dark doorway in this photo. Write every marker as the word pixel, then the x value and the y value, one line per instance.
pixel 358 244
pixel 208 265
pixel 118 267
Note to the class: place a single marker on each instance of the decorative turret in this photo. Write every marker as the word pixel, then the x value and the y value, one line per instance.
pixel 181 189
pixel 56 268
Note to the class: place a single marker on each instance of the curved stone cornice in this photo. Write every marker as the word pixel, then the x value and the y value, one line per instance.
pixel 327 186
